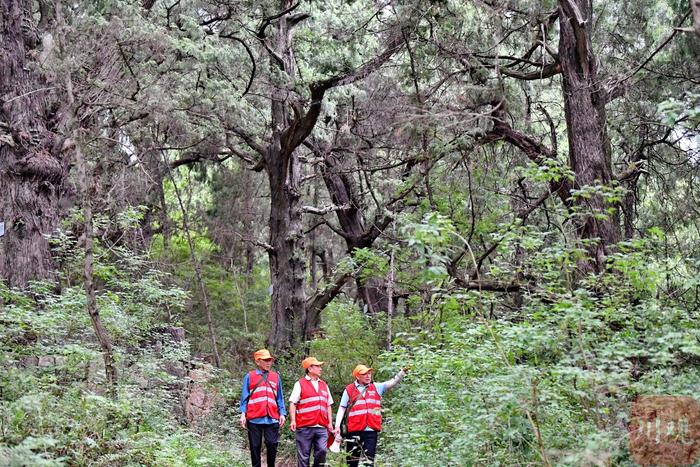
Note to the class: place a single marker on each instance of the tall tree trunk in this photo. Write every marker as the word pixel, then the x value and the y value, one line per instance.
pixel 32 165
pixel 589 147
pixel 287 264
pixel 286 249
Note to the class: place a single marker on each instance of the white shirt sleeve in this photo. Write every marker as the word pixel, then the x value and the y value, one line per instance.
pixel 391 383
pixel 296 393
pixel 330 397
pixel 339 416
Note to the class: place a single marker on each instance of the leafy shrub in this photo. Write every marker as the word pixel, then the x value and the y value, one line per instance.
pixel 554 381
pixel 54 407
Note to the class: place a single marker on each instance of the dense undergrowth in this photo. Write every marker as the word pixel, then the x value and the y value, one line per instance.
pixel 549 381
pixel 55 408
pixel 544 379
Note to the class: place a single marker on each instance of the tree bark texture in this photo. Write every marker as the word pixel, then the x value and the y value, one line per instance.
pixel 287 264
pixel 32 164
pixel 343 191
pixel 286 252
pixel 589 148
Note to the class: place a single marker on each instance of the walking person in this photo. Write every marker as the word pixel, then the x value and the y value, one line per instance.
pixel 362 400
pixel 311 414
pixel 262 408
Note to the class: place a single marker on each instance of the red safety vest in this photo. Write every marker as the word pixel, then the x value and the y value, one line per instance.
pixel 312 408
pixel 366 410
pixel 263 399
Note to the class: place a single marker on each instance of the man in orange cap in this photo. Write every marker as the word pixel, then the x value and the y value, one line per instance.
pixel 362 400
pixel 311 414
pixel 262 408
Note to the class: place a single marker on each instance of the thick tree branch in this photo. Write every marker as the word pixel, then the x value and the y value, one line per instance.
pixel 269 19
pixel 578 23
pixel 323 297
pixel 301 127
pixel 534 150
pixel 546 71
pixel 323 210
pixel 194 158
pixel 248 139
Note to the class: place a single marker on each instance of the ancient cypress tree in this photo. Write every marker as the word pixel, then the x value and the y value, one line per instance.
pixel 33 158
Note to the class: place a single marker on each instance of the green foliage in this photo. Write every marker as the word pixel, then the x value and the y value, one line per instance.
pixel 53 406
pixel 567 365
pixel 428 242
pixel 371 263
pixel 349 338
pixel 499 378
pixel 239 304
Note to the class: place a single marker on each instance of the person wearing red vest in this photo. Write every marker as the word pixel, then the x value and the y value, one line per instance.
pixel 311 414
pixel 362 400
pixel 262 408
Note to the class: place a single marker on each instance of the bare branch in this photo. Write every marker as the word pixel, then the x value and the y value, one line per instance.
pixel 323 297
pixel 252 60
pixel 489 286
pixel 323 210
pixel 264 245
pixel 300 129
pixel 522 215
pixel 546 71
pixel 619 86
pixel 248 139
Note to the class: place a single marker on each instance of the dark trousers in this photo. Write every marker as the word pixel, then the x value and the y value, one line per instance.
pixel 361 446
pixel 311 437
pixel 256 432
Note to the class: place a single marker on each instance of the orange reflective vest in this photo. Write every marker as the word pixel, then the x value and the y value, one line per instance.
pixel 263 396
pixel 365 409
pixel 312 408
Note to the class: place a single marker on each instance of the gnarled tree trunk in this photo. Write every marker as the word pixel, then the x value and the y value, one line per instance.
pixel 291 125
pixel 287 263
pixel 343 191
pixel 589 148
pixel 32 165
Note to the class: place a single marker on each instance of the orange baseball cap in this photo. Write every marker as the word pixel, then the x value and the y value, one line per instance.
pixel 360 370
pixel 308 361
pixel 262 354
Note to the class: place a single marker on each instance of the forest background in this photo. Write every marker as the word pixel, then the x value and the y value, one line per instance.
pixel 502 194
